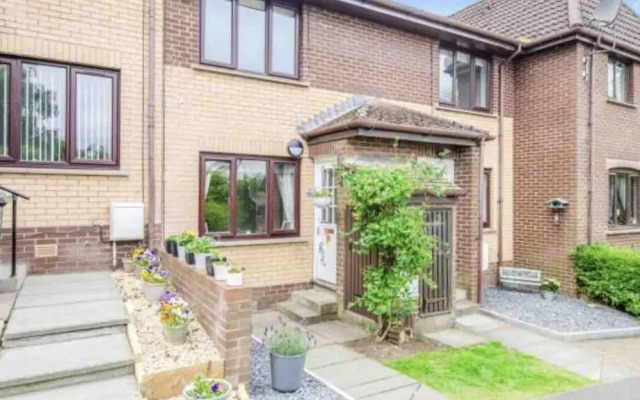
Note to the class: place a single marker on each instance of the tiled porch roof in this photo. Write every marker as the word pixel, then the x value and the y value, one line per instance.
pixel 371 113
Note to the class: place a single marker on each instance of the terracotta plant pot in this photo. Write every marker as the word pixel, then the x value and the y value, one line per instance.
pixel 220 271
pixel 201 261
pixel 127 265
pixel 176 335
pixel 234 279
pixel 153 292
pixel 286 372
pixel 223 383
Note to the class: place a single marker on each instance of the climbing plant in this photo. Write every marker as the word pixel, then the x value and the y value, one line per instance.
pixel 389 223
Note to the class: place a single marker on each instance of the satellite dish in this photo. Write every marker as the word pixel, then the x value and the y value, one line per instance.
pixel 606 12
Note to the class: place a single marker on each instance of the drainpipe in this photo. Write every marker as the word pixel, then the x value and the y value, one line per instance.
pixel 480 221
pixel 151 122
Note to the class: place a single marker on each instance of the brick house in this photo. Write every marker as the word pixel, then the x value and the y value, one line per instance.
pixel 175 105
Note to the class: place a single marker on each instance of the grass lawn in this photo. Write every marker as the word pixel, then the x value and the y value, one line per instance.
pixel 487 372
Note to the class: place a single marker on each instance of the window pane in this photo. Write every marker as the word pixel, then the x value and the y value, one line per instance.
pixel 446 76
pixel 283 35
pixel 4 110
pixel 251 194
pixel 485 198
pixel 611 91
pixel 217 196
pixel 284 199
pixel 612 199
pixel 44 96
pixel 217 31
pixel 621 199
pixel 251 35
pixel 94 117
pixel 482 83
pixel 463 79
pixel 633 200
pixel 621 82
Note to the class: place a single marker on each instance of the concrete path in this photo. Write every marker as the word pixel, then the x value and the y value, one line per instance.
pixel 628 389
pixel 350 373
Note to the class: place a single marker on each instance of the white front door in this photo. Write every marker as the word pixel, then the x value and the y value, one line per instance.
pixel 326 228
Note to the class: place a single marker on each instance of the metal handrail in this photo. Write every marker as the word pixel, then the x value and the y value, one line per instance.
pixel 14 227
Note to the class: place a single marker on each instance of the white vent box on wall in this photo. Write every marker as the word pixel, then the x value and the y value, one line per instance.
pixel 127 221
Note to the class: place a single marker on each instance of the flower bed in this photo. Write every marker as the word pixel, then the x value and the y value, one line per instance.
pixel 163 369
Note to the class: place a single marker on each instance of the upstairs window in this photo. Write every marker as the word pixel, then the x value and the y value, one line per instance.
pixel 256 36
pixel 619 82
pixel 55 115
pixel 464 80
pixel 623 198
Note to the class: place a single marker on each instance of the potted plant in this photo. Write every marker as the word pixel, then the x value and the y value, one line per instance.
pixel 220 267
pixel 203 388
pixel 142 261
pixel 174 315
pixel 127 262
pixel 154 282
pixel 200 248
pixel 549 288
pixel 321 197
pixel 288 346
pixel 171 245
pixel 213 257
pixel 234 276
pixel 182 240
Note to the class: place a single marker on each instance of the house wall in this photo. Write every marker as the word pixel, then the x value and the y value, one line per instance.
pixel 233 112
pixel 70 208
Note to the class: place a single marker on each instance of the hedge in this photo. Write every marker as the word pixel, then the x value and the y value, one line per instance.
pixel 610 275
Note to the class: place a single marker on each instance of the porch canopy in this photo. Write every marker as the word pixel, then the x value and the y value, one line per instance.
pixel 375 118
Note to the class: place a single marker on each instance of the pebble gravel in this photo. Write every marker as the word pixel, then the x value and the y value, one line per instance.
pixel 261 389
pixel 563 314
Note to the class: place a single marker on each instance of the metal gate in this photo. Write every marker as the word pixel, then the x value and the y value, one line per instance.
pixel 438 300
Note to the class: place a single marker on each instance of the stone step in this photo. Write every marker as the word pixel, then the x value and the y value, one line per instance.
pixel 122 388
pixel 298 313
pixel 63 337
pixel 435 323
pixel 66 298
pixel 461 294
pixel 52 365
pixel 61 279
pixel 66 287
pixel 321 300
pixel 64 318
pixel 466 307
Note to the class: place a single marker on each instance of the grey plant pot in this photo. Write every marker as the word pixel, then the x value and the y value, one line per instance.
pixel 547 295
pixel 182 254
pixel 286 372
pixel 176 335
pixel 222 382
pixel 153 292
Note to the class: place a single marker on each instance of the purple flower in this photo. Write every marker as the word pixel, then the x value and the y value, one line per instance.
pixel 214 388
pixel 167 297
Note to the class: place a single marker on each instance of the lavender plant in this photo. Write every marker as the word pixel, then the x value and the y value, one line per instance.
pixel 288 340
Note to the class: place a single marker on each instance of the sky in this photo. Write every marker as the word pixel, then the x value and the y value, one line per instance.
pixel 448 7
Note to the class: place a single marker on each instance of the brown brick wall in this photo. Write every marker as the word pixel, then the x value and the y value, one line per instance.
pixel 224 312
pixel 182 32
pixel 546 162
pixel 266 297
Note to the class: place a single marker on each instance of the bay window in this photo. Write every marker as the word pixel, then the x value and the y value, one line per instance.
pixel 623 197
pixel 259 36
pixel 55 115
pixel 249 197
pixel 464 80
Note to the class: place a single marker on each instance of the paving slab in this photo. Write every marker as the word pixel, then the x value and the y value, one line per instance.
pixel 623 390
pixel 382 386
pixel 329 355
pixel 354 373
pixel 479 323
pixel 66 298
pixel 56 279
pixel 109 389
pixel 66 287
pixel 558 353
pixel 39 321
pixel 456 338
pixel 262 320
pixel 515 338
pixel 403 393
pixel 338 331
pixel 6 304
pixel 47 362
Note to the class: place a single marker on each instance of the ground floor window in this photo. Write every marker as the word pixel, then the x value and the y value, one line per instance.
pixel 249 196
pixel 623 197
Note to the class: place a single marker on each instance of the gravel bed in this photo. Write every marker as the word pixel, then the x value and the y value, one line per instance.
pixel 158 355
pixel 563 314
pixel 261 389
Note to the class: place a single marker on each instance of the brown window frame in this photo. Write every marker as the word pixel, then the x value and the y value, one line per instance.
pixel 630 175
pixel 473 86
pixel 628 67
pixel 268 39
pixel 487 195
pixel 15 116
pixel 232 159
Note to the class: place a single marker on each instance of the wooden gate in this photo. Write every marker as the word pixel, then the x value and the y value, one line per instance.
pixel 438 300
pixel 354 265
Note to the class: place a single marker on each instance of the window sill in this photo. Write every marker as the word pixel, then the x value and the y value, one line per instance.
pixel 60 171
pixel 623 231
pixel 465 111
pixel 489 230
pixel 622 103
pixel 261 242
pixel 266 78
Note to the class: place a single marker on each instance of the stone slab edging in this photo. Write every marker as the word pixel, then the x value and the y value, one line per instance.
pixel 319 379
pixel 566 336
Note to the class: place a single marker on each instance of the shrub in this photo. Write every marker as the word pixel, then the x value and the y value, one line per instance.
pixel 201 245
pixel 610 275
pixel 550 285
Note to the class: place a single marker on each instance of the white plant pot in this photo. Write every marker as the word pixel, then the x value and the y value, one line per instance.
pixel 547 295
pixel 153 292
pixel 201 261
pixel 181 254
pixel 234 279
pixel 220 271
pixel 322 202
pixel 221 382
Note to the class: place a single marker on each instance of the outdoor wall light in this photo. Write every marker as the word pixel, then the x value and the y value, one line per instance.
pixel 295 148
pixel 557 206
